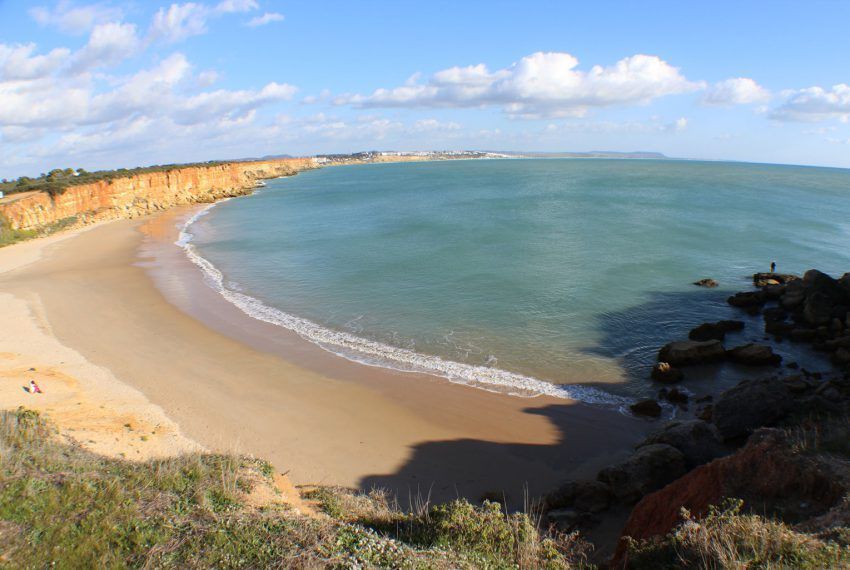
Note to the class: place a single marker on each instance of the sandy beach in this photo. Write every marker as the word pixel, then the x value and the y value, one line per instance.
pixel 121 330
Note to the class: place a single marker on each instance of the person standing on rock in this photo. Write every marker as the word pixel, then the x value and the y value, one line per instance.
pixel 773 267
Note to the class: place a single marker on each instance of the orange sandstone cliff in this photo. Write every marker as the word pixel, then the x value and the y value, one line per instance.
pixel 141 194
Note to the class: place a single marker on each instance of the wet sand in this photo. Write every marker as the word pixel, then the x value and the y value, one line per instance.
pixel 125 299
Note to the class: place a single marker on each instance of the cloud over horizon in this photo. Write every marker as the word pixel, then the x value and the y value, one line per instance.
pixel 540 85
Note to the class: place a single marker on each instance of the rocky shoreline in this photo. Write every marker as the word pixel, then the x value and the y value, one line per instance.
pixel 720 446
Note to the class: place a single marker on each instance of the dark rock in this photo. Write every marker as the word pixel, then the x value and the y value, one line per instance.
pixel 795 294
pixel 802 335
pixel 649 408
pixel 691 352
pixel 588 496
pixel 699 441
pixel 842 356
pixel 650 468
pixel 797 384
pixel 705 413
pixel 715 331
pixel 774 292
pixel 778 328
pixel 775 314
pixel 750 405
pixel 754 355
pixel 663 372
pixel 792 366
pixel 710 283
pixel 772 278
pixel 674 396
pixel 747 299
pixel 817 309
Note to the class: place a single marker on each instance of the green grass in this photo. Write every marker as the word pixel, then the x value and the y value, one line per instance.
pixel 727 538
pixel 63 507
pixel 8 236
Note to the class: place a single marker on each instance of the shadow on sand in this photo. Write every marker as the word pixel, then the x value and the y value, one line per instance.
pixel 587 439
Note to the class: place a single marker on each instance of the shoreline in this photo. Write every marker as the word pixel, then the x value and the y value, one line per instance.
pixel 235 384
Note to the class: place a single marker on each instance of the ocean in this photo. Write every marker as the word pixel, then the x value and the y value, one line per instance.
pixel 525 276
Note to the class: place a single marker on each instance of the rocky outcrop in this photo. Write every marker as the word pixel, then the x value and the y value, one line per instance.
pixel 649 408
pixel 649 469
pixel 715 331
pixel 141 194
pixel 710 283
pixel 663 372
pixel 772 278
pixel 687 352
pixel 749 405
pixel 769 475
pixel 698 441
pixel 754 355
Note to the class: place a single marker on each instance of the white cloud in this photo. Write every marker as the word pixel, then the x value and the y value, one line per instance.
pixel 736 91
pixel 108 44
pixel 230 6
pixel 653 125
pixel 17 62
pixel 815 104
pixel 539 85
pixel 75 19
pixel 180 21
pixel 266 18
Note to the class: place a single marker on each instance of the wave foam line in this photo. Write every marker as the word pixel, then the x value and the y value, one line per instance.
pixel 374 353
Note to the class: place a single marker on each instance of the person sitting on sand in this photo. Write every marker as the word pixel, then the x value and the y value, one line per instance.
pixel 34 389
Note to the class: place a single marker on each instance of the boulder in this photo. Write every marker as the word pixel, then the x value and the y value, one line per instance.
pixel 691 352
pixel 772 278
pixel 663 372
pixel 673 395
pixel 699 441
pixel 817 308
pixel 750 405
pixel 710 283
pixel 747 299
pixel 754 355
pixel 715 331
pixel 649 408
pixel 650 468
pixel 795 294
pixel 585 496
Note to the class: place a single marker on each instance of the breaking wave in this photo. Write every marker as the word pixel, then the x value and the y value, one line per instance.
pixel 374 353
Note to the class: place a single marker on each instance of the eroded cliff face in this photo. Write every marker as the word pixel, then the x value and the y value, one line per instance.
pixel 142 194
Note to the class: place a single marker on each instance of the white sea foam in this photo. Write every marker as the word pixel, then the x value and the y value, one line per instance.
pixel 374 353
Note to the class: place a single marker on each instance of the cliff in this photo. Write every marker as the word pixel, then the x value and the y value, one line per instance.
pixel 142 194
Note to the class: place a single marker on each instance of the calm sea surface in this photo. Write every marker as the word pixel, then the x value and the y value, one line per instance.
pixel 529 276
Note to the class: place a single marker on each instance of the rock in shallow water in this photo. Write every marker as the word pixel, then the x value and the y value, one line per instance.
pixel 687 352
pixel 754 355
pixel 663 372
pixel 649 408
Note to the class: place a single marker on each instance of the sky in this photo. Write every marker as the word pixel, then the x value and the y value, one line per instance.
pixel 106 84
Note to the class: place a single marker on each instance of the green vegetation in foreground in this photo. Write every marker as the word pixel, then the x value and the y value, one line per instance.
pixel 58 180
pixel 727 538
pixel 65 507
pixel 61 506
pixel 8 236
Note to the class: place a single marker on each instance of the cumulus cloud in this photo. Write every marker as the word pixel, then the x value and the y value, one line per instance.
pixel 543 84
pixel 815 104
pixel 736 91
pixel 74 19
pixel 181 21
pixel 18 62
pixel 108 44
pixel 266 18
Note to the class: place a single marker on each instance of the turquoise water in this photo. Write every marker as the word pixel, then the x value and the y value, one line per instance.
pixel 520 275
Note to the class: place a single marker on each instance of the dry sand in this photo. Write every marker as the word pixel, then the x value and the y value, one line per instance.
pixel 107 339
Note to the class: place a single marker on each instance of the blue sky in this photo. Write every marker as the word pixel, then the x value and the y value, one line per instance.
pixel 112 84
